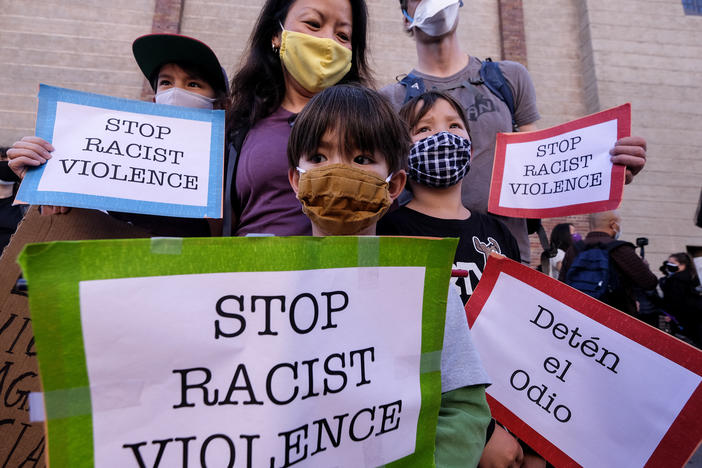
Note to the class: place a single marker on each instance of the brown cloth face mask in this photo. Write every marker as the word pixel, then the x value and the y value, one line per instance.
pixel 343 200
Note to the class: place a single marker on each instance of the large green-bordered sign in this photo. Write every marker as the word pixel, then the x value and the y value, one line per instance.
pixel 240 351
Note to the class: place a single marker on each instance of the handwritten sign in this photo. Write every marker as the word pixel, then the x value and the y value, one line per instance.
pixel 123 155
pixel 163 354
pixel 24 440
pixel 581 382
pixel 564 170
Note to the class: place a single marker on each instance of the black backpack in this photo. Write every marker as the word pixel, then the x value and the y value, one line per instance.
pixel 592 271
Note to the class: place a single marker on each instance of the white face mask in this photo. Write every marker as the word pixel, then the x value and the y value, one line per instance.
pixel 435 17
pixel 180 97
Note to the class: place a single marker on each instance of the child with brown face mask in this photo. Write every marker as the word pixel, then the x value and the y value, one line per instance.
pixel 346 153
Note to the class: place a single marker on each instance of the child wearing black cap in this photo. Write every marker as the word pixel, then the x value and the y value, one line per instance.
pixel 182 71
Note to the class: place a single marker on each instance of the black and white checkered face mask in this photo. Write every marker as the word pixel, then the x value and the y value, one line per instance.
pixel 440 160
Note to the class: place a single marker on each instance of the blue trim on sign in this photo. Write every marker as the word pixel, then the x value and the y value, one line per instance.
pixel 49 96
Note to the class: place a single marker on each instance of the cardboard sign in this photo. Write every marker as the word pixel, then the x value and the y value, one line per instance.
pixel 580 382
pixel 564 170
pixel 241 351
pixel 24 441
pixel 131 156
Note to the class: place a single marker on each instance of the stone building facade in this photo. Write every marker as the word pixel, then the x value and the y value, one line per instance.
pixel 584 56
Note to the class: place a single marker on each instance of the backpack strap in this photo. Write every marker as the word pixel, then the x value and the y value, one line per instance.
pixel 490 75
pixel 493 78
pixel 616 244
pixel 414 86
pixel 231 163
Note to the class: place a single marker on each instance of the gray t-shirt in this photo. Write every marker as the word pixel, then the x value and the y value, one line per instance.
pixel 487 115
pixel 460 362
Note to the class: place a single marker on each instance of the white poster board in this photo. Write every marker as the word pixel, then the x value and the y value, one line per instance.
pixel 579 381
pixel 130 156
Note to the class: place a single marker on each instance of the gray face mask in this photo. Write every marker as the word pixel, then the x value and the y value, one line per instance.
pixel 435 17
pixel 180 97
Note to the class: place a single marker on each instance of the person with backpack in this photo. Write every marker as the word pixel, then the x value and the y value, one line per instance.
pixel 495 96
pixel 605 267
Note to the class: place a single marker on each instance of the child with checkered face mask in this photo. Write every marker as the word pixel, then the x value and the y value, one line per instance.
pixel 438 161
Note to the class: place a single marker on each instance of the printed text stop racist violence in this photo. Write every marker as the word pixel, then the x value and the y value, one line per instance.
pixel 142 175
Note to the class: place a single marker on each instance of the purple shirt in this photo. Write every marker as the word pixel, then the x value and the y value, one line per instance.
pixel 264 199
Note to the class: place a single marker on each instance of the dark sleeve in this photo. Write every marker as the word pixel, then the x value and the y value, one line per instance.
pixel 567 260
pixel 633 267
pixel 6 173
pixel 512 246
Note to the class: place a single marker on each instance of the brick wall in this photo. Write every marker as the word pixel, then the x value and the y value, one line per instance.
pixel 584 55
pixel 650 54
pixel 81 45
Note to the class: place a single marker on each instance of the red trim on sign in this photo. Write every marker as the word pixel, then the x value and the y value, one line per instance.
pixel 622 114
pixel 682 437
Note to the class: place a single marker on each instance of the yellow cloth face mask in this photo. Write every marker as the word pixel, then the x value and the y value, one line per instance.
pixel 316 63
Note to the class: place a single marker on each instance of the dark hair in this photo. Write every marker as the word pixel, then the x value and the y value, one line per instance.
pixel 684 259
pixel 221 98
pixel 411 116
pixel 363 119
pixel 258 87
pixel 561 237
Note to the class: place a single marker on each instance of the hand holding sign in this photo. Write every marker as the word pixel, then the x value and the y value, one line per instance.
pixel 564 170
pixel 121 155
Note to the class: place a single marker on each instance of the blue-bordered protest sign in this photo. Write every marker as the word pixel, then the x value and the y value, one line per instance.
pixel 124 155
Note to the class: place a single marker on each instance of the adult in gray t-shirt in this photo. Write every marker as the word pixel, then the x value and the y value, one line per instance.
pixel 487 115
pixel 441 63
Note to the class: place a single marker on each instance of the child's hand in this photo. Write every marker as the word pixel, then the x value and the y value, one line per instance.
pixel 631 152
pixel 501 451
pixel 30 151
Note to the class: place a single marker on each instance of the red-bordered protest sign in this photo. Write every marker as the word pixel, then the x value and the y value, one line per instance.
pixel 560 171
pixel 580 382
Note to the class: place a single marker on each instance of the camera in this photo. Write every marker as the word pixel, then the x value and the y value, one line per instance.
pixel 641 242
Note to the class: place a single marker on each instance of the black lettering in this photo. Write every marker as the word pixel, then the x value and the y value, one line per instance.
pixel 112 124
pixel 340 373
pixel 185 386
pixel 206 443
pixel 394 416
pixel 331 309
pixel 268 300
pixel 238 317
pixel 240 371
pixel 322 423
pixel 269 383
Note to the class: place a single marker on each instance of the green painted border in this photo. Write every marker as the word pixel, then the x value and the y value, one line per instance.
pixel 54 270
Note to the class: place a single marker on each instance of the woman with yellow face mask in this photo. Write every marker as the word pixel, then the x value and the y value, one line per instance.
pixel 297 49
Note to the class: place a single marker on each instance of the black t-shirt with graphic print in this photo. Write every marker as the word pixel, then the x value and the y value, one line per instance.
pixel 478 235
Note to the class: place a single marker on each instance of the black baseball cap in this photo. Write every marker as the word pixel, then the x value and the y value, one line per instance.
pixel 152 51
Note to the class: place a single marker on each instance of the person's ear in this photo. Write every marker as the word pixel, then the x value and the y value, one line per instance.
pixel 294 179
pixel 276 40
pixel 397 183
